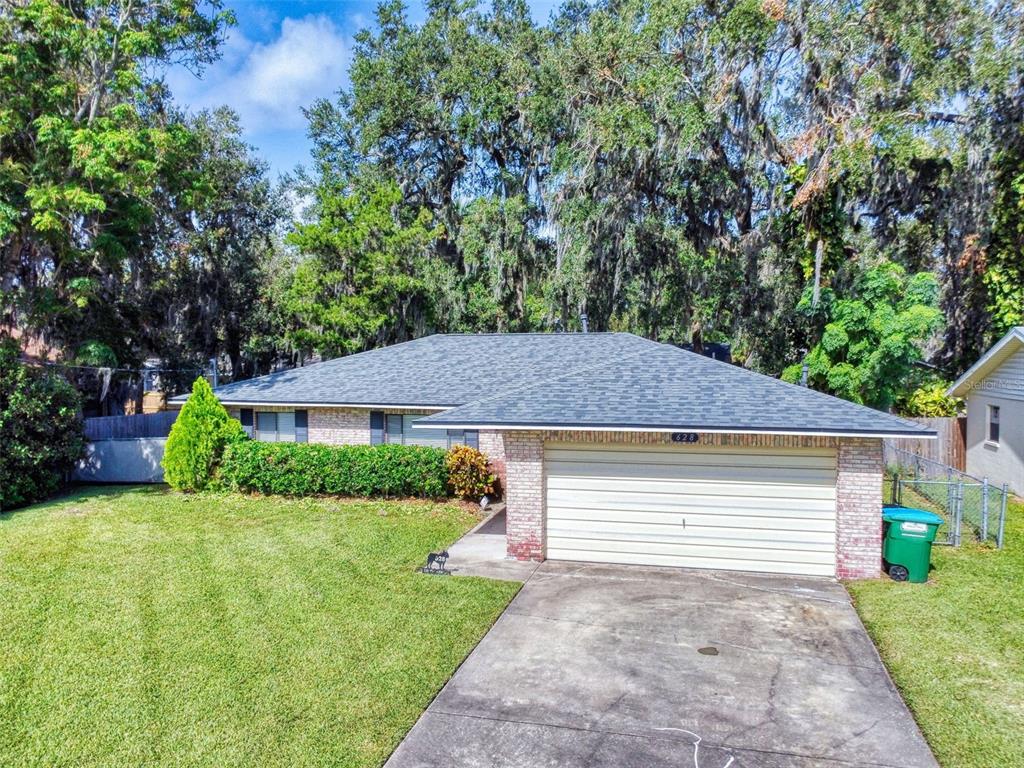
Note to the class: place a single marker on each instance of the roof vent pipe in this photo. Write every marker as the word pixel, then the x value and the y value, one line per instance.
pixel 583 322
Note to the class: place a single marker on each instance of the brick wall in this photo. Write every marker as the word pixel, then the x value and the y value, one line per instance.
pixel 492 444
pixel 339 426
pixel 858 488
pixel 524 495
pixel 858 507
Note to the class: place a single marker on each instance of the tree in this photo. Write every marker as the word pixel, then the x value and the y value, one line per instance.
pixel 359 287
pixel 873 339
pixel 686 171
pixel 40 429
pixel 215 240
pixel 86 142
pixel 1004 256
pixel 197 439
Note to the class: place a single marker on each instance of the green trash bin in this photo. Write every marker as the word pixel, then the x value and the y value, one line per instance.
pixel 907 544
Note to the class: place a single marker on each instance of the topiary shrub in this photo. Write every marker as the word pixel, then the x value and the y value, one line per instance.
pixel 197 440
pixel 303 469
pixel 41 434
pixel 469 477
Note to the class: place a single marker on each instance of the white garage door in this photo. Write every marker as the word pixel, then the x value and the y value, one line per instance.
pixel 742 509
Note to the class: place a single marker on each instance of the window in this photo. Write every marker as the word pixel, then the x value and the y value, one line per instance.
pixel 398 428
pixel 275 426
pixel 993 424
pixel 266 426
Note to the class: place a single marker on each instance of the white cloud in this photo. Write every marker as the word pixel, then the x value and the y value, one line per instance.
pixel 268 83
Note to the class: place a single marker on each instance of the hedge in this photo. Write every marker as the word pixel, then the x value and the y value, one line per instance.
pixel 41 434
pixel 303 469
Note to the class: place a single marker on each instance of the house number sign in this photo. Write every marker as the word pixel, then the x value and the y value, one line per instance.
pixel 685 437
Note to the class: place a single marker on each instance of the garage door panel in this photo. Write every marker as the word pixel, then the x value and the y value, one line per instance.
pixel 695 474
pixel 696 551
pixel 682 456
pixel 695 534
pixel 567 517
pixel 760 509
pixel 668 502
pixel 694 487
pixel 722 564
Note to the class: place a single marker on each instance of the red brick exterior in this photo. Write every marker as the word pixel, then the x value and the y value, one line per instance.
pixel 858 489
pixel 858 509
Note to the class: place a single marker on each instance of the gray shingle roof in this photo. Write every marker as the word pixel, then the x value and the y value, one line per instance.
pixel 440 370
pixel 663 387
pixel 606 380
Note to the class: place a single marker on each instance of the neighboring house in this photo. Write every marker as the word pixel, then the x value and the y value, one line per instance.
pixel 613 448
pixel 994 391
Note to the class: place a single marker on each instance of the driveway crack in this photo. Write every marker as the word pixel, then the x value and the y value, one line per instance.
pixel 657 737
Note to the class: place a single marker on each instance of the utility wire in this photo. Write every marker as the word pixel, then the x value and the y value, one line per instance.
pixel 119 370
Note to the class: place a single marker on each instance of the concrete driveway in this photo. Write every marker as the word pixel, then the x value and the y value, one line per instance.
pixel 596 665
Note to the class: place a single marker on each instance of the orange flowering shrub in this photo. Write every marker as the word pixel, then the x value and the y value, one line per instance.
pixel 469 477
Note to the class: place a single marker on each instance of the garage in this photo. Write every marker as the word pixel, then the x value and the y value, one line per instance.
pixel 732 508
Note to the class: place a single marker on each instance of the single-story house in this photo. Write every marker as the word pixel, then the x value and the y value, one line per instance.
pixel 613 448
pixel 993 389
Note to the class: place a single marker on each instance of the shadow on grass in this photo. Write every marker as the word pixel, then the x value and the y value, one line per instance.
pixel 86 492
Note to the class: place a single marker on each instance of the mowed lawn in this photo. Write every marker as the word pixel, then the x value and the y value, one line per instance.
pixel 955 648
pixel 143 627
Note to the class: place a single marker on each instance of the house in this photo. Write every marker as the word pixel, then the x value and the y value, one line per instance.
pixel 993 389
pixel 613 448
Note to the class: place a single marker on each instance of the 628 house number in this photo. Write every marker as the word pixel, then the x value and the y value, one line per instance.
pixel 685 437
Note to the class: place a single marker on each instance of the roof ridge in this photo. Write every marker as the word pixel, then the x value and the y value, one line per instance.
pixel 561 334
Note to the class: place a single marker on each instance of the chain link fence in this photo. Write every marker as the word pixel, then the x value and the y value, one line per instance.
pixel 969 505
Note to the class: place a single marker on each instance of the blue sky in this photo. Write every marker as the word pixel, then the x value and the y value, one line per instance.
pixel 282 55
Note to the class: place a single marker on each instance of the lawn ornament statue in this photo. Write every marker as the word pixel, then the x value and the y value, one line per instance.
pixel 435 564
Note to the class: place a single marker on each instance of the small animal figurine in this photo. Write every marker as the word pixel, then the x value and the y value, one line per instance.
pixel 435 563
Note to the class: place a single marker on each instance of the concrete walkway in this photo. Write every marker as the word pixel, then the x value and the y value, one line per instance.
pixel 595 665
pixel 481 552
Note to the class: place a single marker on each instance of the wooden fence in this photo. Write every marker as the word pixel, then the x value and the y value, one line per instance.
pixel 951 446
pixel 126 427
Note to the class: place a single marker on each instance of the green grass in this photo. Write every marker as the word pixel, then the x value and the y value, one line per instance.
pixel 955 647
pixel 138 626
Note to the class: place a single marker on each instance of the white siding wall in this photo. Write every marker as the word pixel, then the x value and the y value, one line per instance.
pixel 1006 381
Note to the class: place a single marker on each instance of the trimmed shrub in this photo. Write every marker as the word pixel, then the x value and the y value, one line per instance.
pixel 301 469
pixel 41 434
pixel 469 477
pixel 197 439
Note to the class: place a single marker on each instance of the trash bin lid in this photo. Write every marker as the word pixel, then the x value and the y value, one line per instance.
pixel 892 513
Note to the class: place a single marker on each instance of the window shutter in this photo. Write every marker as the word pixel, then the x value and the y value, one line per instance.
pixel 473 438
pixel 302 426
pixel 376 427
pixel 245 416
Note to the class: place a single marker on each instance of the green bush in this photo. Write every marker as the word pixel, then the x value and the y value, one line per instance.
pixel 930 400
pixel 301 469
pixel 41 434
pixel 197 439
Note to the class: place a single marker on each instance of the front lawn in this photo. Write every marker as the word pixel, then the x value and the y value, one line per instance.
pixel 139 626
pixel 955 648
